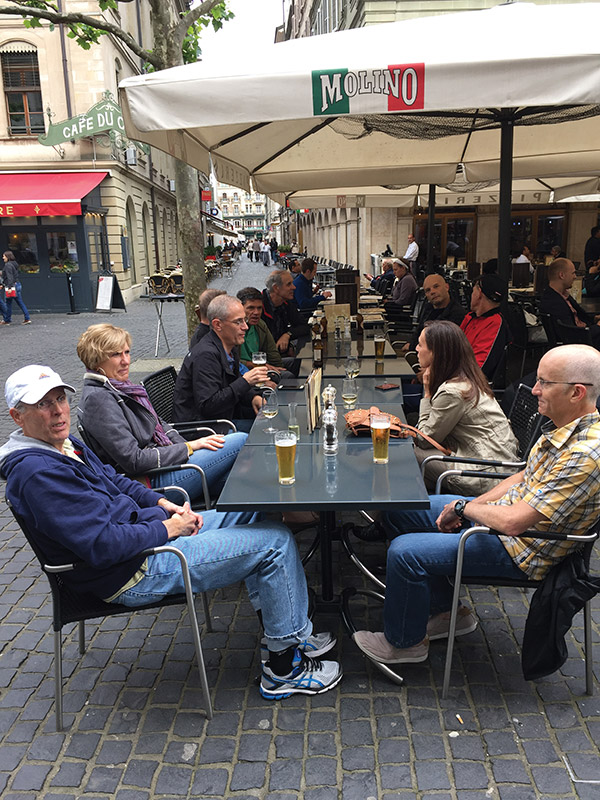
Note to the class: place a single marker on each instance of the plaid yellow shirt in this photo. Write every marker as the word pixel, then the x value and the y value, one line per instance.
pixel 562 482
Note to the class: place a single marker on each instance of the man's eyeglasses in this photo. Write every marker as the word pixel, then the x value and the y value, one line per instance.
pixel 239 322
pixel 543 383
pixel 45 405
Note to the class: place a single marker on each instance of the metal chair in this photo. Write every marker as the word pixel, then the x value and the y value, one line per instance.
pixel 520 333
pixel 159 284
pixel 550 330
pixel 571 334
pixel 176 284
pixel 160 386
pixel 586 541
pixel 71 606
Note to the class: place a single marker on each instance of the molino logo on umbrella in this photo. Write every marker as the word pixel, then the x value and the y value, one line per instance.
pixel 398 87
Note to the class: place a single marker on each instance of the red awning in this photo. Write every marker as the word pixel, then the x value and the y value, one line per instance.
pixel 45 194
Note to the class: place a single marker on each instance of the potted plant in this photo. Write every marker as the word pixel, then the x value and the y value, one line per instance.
pixel 210 253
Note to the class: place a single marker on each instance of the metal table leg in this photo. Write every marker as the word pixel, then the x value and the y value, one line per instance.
pixel 160 327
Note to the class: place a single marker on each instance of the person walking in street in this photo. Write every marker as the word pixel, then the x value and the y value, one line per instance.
pixel 12 289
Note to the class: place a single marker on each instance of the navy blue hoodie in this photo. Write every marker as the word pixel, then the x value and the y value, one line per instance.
pixel 82 512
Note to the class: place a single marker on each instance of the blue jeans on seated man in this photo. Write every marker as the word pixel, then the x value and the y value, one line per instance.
pixel 215 463
pixel 229 548
pixel 419 561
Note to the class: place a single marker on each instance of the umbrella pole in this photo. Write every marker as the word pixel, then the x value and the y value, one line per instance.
pixel 504 216
pixel 430 226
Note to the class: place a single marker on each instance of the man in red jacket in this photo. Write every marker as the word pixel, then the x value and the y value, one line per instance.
pixel 484 325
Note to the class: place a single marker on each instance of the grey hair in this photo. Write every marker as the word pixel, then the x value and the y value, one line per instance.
pixel 400 262
pixel 275 278
pixel 220 307
pixel 581 364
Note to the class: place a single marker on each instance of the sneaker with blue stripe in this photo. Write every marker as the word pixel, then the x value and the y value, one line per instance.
pixel 308 676
pixel 314 646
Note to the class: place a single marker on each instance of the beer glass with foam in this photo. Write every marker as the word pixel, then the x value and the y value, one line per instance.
pixel 285 447
pixel 380 435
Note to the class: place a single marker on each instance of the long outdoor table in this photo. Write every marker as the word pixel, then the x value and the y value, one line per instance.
pixel 368 395
pixel 390 369
pixel 258 435
pixel 347 481
pixel 359 347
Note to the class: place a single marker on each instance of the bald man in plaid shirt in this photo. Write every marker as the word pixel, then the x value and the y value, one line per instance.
pixel 559 489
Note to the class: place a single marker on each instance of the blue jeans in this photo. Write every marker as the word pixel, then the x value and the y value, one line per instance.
pixel 235 547
pixel 20 303
pixel 215 463
pixel 418 565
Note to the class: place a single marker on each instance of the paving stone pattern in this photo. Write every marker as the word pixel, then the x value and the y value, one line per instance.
pixel 135 727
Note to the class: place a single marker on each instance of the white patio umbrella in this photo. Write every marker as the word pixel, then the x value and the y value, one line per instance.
pixel 391 104
pixel 524 191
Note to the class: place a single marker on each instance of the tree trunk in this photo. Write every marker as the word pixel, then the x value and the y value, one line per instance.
pixel 192 243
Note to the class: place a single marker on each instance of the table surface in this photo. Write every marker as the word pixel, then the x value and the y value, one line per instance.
pixel 335 368
pixel 362 348
pixel 258 435
pixel 368 395
pixel 348 480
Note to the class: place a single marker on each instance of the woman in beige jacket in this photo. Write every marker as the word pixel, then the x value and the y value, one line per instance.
pixel 458 408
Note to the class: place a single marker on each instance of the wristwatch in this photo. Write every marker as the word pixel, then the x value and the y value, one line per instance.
pixel 459 509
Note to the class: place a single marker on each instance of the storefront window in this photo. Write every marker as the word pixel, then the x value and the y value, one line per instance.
pixel 62 252
pixel 453 238
pixel 24 247
pixel 540 230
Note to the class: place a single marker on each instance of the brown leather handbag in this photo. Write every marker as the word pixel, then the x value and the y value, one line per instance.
pixel 359 422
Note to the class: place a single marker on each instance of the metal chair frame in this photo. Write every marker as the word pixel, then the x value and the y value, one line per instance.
pixel 69 606
pixel 587 541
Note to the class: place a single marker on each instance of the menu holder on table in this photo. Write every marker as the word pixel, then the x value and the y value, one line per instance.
pixel 335 310
pixel 312 392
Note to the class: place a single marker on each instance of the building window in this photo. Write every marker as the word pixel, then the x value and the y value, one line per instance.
pixel 236 209
pixel 248 208
pixel 224 196
pixel 21 80
pixel 236 196
pixel 226 209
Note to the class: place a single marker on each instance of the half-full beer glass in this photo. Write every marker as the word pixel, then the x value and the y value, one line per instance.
pixel 380 434
pixel 379 346
pixel 285 447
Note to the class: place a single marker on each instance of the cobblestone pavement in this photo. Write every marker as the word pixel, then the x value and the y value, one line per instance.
pixel 135 728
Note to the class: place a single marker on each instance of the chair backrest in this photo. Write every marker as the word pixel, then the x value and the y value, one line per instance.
pixel 571 334
pixel 550 329
pixel 160 386
pixel 159 284
pixel 515 319
pixel 176 284
pixel 525 419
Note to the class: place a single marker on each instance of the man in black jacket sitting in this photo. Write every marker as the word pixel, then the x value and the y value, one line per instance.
pixel 557 301
pixel 280 312
pixel 210 383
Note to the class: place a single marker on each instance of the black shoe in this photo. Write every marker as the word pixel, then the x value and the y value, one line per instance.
pixel 374 532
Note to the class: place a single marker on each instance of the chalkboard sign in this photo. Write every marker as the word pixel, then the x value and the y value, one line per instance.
pixel 109 294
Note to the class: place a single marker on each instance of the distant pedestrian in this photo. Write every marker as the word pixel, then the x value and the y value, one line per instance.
pixel 12 289
pixel 265 253
pixel 256 248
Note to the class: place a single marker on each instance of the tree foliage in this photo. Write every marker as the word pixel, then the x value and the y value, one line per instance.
pixel 176 41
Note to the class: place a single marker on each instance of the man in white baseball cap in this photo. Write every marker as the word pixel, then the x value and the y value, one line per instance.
pixel 80 510
pixel 30 384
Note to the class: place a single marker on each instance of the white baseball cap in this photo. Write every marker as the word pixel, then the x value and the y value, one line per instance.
pixel 30 384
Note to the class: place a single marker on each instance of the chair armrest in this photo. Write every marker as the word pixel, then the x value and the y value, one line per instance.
pixel 199 423
pixel 551 535
pixel 179 468
pixel 478 462
pixel 470 473
pixel 185 498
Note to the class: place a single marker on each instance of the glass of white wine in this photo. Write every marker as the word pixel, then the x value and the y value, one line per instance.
pixel 352 367
pixel 349 392
pixel 259 359
pixel 270 407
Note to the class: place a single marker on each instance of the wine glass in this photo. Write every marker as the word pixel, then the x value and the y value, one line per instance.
pixel 349 392
pixel 270 407
pixel 259 359
pixel 352 367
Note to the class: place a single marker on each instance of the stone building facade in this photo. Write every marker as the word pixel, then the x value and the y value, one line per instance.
pixel 127 222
